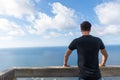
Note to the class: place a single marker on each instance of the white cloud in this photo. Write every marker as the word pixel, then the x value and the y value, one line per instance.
pixel 108 14
pixel 18 32
pixel 37 1
pixel 102 30
pixel 112 29
pixel 16 8
pixel 51 34
pixel 30 18
pixel 10 28
pixel 69 34
pixel 42 24
pixel 64 19
pixel 6 38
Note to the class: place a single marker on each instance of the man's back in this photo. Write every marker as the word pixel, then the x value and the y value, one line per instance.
pixel 88 48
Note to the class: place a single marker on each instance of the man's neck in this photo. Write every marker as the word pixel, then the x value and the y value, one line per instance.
pixel 85 33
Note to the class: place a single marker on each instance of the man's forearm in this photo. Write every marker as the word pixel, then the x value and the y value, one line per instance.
pixel 65 60
pixel 104 57
pixel 67 54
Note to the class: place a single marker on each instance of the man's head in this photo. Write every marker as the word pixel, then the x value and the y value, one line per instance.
pixel 85 26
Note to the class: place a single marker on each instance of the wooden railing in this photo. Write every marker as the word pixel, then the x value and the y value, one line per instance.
pixel 55 71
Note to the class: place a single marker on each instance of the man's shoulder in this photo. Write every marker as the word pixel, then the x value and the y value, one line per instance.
pixel 78 38
pixel 99 40
pixel 96 37
pixel 82 37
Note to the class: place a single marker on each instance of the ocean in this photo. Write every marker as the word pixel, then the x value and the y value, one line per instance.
pixel 47 56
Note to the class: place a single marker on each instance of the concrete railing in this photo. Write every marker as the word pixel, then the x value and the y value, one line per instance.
pixel 7 74
pixel 55 71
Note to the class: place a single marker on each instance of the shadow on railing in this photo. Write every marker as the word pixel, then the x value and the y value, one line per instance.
pixel 55 71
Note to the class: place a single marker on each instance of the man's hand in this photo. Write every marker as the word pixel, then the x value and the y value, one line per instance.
pixel 65 65
pixel 101 65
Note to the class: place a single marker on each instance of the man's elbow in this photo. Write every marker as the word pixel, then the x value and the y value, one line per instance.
pixel 104 52
pixel 106 55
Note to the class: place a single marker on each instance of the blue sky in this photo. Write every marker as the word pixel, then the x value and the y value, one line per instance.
pixel 33 23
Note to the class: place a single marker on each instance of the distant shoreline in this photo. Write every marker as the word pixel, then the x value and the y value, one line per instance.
pixel 45 47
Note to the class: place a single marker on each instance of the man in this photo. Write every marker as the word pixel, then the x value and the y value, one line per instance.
pixel 87 47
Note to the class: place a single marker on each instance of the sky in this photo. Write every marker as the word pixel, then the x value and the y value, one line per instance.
pixel 41 23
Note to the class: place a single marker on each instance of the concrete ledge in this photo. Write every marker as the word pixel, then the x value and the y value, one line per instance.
pixel 55 71
pixel 47 72
pixel 110 71
pixel 62 71
pixel 7 75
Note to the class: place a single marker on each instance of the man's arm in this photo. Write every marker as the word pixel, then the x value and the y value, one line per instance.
pixel 104 57
pixel 67 54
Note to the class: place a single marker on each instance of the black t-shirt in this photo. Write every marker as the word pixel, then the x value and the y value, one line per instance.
pixel 87 49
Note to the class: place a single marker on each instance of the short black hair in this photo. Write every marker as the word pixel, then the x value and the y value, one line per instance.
pixel 85 26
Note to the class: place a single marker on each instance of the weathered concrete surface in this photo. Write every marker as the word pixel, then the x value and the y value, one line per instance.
pixel 62 71
pixel 110 71
pixel 55 71
pixel 7 74
pixel 46 72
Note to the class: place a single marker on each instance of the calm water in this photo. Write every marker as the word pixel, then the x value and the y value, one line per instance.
pixel 46 56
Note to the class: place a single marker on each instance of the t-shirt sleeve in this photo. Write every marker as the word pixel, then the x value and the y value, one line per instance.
pixel 72 45
pixel 102 46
